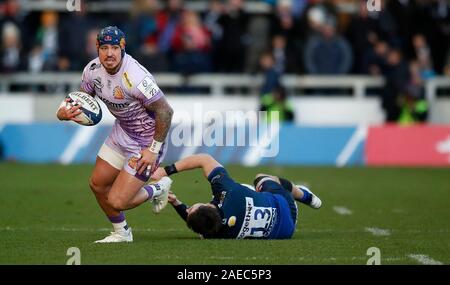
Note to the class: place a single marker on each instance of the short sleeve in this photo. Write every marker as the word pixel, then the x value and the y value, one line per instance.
pixel 220 181
pixel 147 90
pixel 86 78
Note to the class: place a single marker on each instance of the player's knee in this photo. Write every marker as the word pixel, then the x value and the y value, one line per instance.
pixel 95 186
pixel 260 175
pixel 117 203
pixel 260 178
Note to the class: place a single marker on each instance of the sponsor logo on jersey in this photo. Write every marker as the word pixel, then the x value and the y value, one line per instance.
pixel 114 105
pixel 215 178
pixel 272 222
pixel 127 80
pixel 94 66
pixel 132 162
pixel 231 221
pixel 222 198
pixel 148 87
pixel 98 84
pixel 247 218
pixel 118 93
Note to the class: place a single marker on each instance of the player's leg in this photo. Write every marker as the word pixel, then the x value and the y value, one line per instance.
pixel 107 167
pixel 289 212
pixel 100 182
pixel 128 191
pixel 299 192
pixel 157 193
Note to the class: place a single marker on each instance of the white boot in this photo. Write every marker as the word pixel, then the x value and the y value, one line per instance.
pixel 316 203
pixel 160 202
pixel 118 236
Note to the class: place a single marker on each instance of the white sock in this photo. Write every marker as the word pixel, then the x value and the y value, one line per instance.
pixel 120 227
pixel 153 190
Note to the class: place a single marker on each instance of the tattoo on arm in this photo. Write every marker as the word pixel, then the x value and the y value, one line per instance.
pixel 163 117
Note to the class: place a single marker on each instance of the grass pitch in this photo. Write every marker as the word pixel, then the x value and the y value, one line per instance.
pixel 404 212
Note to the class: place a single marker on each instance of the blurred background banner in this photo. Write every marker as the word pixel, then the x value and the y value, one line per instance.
pixel 50 143
pixel 412 146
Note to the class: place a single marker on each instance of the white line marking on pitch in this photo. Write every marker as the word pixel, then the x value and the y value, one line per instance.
pixel 378 232
pixel 424 259
pixel 342 210
pixel 64 229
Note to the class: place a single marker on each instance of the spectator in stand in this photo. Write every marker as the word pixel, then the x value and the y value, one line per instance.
pixel 276 101
pixel 144 35
pixel 414 106
pixel 397 77
pixel 447 65
pixel 375 63
pixel 406 16
pixel 11 57
pixel 328 52
pixel 436 27
pixel 232 47
pixel 11 11
pixel 286 35
pixel 167 21
pixel 191 43
pixel 361 33
pixel 423 57
pixel 282 58
pixel 211 22
pixel 71 49
pixel 271 74
pixel 90 50
pixel 46 40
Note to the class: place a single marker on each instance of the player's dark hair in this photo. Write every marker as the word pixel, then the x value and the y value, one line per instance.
pixel 205 221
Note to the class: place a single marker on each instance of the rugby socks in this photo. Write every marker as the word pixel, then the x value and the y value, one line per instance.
pixel 153 190
pixel 286 184
pixel 306 197
pixel 119 223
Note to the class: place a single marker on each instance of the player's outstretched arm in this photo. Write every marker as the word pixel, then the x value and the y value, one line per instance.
pixel 178 205
pixel 204 161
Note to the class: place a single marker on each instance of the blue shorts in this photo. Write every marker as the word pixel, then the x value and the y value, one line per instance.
pixel 278 190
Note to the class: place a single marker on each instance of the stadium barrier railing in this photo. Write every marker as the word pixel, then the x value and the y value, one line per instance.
pixel 217 84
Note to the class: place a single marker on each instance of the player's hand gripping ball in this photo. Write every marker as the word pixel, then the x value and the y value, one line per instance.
pixel 91 112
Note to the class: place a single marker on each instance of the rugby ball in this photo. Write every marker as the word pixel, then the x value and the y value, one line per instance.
pixel 91 111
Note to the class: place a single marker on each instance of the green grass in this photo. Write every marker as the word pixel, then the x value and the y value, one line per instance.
pixel 45 209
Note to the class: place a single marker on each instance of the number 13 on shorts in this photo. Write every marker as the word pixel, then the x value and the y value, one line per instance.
pixel 258 220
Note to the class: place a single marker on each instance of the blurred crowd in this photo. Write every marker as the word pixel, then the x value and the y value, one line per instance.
pixel 407 42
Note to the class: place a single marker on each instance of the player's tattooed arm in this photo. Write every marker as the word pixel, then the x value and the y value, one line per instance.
pixel 163 117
